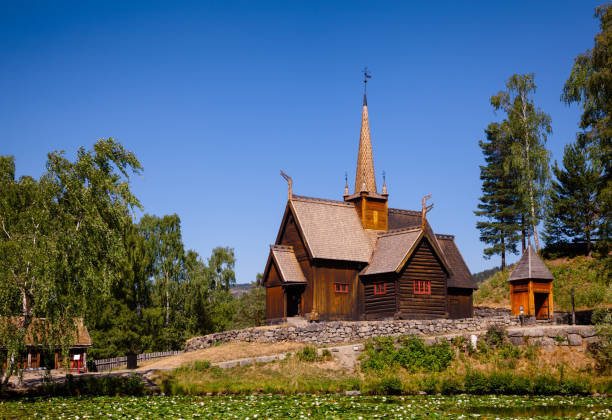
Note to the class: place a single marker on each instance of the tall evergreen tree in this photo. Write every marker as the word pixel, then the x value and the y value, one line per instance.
pixel 590 84
pixel 573 212
pixel 527 127
pixel 499 204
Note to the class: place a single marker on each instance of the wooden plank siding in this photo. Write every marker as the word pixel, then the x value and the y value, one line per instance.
pixel 329 304
pixel 460 304
pixel 423 265
pixel 380 306
pixel 275 303
pixel 373 213
pixel 290 235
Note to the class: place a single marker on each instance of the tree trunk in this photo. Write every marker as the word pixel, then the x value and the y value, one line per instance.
pixel 533 217
pixel 523 233
pixel 10 366
pixel 588 237
pixel 26 307
pixel 167 307
pixel 529 177
pixel 503 253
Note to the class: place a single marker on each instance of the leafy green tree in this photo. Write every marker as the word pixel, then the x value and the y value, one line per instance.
pixel 165 245
pixel 527 127
pixel 61 241
pixel 499 204
pixel 590 84
pixel 573 213
pixel 251 306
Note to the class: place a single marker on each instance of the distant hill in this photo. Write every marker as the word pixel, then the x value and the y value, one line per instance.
pixel 591 279
pixel 483 275
pixel 239 289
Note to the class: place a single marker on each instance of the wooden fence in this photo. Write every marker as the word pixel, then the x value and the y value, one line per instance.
pixel 115 362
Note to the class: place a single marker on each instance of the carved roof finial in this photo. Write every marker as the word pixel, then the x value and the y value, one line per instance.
pixel 384 189
pixel 346 189
pixel 289 184
pixel 425 209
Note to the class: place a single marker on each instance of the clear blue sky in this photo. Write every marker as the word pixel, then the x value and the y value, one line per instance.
pixel 216 97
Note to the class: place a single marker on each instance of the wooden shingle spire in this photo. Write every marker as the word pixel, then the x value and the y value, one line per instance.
pixel 364 177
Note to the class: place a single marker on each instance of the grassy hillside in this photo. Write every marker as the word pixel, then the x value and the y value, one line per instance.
pixel 590 278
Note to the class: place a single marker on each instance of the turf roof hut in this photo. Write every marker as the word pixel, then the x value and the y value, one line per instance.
pixel 531 292
pixel 37 353
pixel 359 259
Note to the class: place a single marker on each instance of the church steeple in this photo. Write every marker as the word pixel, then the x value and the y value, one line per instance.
pixel 365 179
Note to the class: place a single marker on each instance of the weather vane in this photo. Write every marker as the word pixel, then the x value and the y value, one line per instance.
pixel 366 75
pixel 384 177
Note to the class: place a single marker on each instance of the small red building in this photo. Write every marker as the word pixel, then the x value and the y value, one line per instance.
pixel 38 352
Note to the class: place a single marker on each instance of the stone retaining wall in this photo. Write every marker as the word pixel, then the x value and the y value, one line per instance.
pixel 554 335
pixel 486 312
pixel 348 331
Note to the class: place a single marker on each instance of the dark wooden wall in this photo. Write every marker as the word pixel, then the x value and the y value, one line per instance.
pixel 460 304
pixel 380 306
pixel 329 304
pixel 423 265
pixel 290 235
pixel 275 303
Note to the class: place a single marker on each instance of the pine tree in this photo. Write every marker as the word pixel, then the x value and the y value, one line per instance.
pixel 499 204
pixel 573 213
pixel 590 84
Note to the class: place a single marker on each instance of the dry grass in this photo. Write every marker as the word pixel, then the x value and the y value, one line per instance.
pixel 222 353
pixel 287 376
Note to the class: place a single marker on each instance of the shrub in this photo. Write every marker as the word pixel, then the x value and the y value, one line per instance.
pixel 495 336
pixel 308 354
pixel 388 386
pixel 94 386
pixel 602 318
pixel 412 354
pixel 201 365
pixel 379 354
pixel 476 383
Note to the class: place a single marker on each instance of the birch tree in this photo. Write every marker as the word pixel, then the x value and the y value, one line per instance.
pixel 61 243
pixel 528 127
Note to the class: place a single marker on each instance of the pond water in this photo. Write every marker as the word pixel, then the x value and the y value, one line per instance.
pixel 310 407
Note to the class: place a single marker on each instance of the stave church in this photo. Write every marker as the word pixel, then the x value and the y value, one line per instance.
pixel 359 259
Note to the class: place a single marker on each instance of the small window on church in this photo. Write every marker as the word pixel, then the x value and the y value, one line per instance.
pixel 341 288
pixel 380 289
pixel 422 287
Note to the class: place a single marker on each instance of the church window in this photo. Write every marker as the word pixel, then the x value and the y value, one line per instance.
pixel 341 288
pixel 422 287
pixel 380 289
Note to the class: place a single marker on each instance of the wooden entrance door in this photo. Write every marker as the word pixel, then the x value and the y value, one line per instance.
pixel 541 305
pixel 294 300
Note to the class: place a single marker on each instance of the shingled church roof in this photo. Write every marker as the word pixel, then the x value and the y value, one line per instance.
pixel 332 229
pixel 461 276
pixel 287 264
pixel 530 266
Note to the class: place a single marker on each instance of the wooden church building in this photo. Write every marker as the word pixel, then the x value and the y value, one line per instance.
pixel 359 259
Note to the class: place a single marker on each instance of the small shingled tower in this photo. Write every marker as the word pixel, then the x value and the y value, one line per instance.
pixel 531 292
